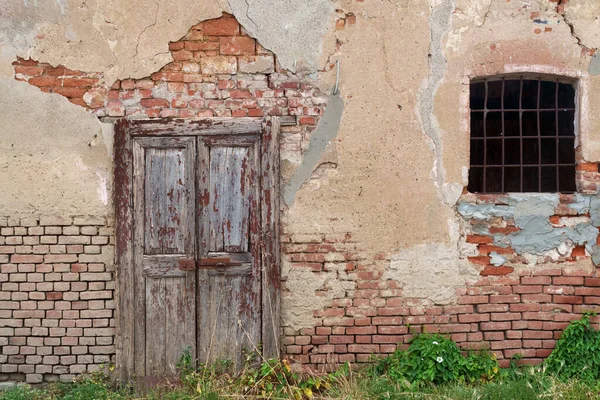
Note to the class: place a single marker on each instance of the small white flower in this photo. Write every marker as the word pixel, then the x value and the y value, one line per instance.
pixel 439 359
pixel 435 342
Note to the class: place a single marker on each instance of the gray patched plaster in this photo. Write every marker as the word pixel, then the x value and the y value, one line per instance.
pixel 537 235
pixel 595 209
pixel 496 259
pixel 293 30
pixel 596 255
pixel 326 130
pixel 531 214
pixel 484 211
pixel 594 68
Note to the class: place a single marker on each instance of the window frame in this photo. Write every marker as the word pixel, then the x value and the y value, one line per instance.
pixel 557 80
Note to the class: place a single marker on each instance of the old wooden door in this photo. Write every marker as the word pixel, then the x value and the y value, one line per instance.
pixel 196 242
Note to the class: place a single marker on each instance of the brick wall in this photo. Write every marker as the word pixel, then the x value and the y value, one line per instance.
pixel 56 302
pixel 522 313
pixel 218 70
pixel 520 307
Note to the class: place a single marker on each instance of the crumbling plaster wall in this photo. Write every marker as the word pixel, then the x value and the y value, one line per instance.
pixel 393 173
pixel 56 158
pixel 402 162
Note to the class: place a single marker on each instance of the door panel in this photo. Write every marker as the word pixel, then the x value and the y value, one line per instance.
pixel 229 314
pixel 229 216
pixel 164 247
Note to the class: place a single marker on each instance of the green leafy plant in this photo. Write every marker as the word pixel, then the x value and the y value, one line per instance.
pixel 185 364
pixel 479 366
pixel 433 358
pixel 577 352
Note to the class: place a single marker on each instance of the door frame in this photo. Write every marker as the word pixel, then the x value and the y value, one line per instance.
pixel 125 130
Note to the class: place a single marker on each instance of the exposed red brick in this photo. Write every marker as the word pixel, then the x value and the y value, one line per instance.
pixel 505 231
pixel 480 260
pixel 237 45
pixel 220 27
pixel 496 271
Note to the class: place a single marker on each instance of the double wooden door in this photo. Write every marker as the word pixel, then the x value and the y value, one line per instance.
pixel 198 244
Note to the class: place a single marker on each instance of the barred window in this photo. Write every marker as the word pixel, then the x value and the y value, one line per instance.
pixel 522 135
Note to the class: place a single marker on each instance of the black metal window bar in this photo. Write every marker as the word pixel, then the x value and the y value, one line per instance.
pixel 522 135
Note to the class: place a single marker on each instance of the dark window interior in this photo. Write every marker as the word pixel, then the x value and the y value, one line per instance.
pixel 522 136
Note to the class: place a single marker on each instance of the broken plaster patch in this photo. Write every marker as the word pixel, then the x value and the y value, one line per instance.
pixel 430 271
pixel 537 235
pixel 293 30
pixel 326 131
pixel 440 22
pixel 496 259
pixel 300 302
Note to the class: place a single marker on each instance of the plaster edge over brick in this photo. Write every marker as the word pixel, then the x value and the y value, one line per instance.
pixel 440 23
pixel 55 157
pixel 293 30
pixel 431 271
pixel 325 132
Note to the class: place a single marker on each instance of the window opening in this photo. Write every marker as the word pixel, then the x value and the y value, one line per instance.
pixel 522 135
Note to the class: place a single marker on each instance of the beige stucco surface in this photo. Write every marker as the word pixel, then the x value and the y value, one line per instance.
pixel 391 178
pixel 54 156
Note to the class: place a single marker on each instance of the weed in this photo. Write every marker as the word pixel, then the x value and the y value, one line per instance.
pixel 577 352
pixel 435 359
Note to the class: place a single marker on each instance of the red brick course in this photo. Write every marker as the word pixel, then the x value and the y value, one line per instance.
pixel 56 302
pixel 507 314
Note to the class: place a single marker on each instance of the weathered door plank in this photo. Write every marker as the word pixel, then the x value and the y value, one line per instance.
pixel 164 196
pixel 270 251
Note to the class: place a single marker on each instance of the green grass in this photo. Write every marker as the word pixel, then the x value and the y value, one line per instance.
pixel 534 385
pixel 522 384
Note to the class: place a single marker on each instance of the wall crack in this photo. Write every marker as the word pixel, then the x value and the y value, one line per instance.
pixel 146 28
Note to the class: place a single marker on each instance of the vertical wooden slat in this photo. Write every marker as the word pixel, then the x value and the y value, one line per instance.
pixel 215 215
pixel 237 215
pixel 270 238
pixel 124 295
pixel 156 352
pixel 204 204
pixel 180 329
pixel 175 205
pixel 153 170
pixel 138 286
